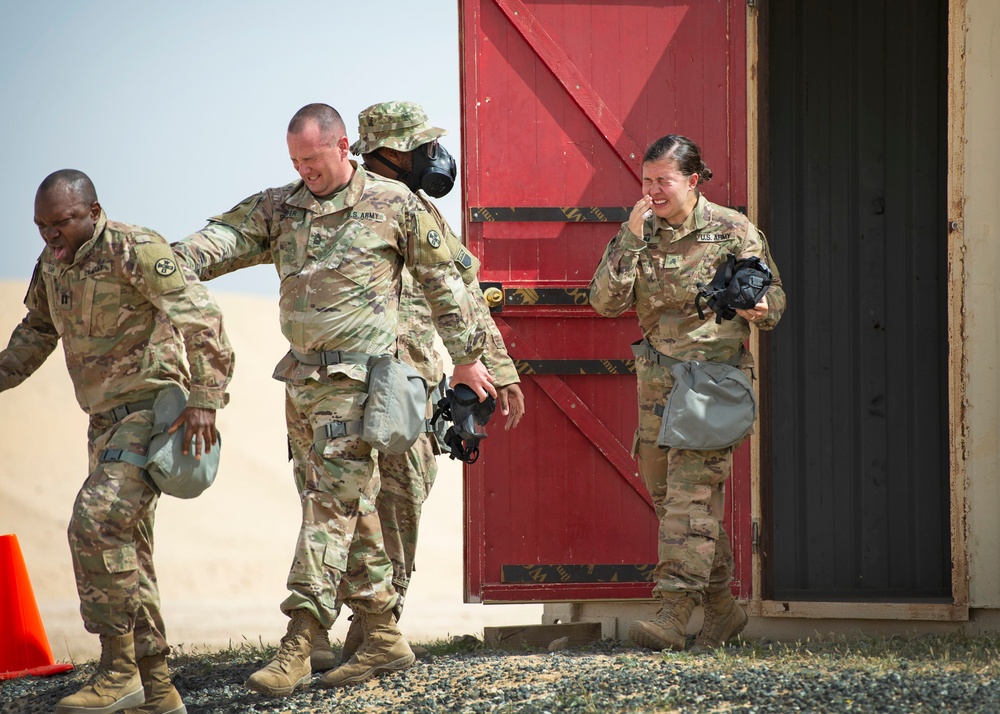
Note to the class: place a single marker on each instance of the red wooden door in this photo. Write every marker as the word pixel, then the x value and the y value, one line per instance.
pixel 559 101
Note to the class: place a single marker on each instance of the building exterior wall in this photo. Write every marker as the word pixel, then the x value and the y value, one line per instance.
pixel 975 172
pixel 981 235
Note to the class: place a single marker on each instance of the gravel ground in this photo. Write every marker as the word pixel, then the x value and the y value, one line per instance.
pixel 923 674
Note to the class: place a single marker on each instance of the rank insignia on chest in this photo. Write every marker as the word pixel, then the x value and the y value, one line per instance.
pixel 66 300
pixel 713 238
pixel 434 238
pixel 671 261
pixel 165 267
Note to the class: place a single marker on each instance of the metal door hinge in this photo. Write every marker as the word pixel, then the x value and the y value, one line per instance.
pixel 754 532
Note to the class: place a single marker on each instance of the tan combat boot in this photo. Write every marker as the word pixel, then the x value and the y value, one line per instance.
pixel 724 619
pixel 115 685
pixel 382 650
pixel 321 656
pixel 290 669
pixel 161 695
pixel 667 631
pixel 355 636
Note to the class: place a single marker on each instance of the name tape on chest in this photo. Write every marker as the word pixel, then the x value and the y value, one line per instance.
pixel 369 216
pixel 97 269
pixel 713 238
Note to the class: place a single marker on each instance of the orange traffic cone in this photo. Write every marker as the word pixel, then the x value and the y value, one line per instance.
pixel 24 648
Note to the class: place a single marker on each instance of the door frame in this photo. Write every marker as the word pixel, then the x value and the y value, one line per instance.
pixel 759 202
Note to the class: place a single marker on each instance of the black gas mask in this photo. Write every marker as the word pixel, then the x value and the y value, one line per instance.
pixel 434 169
pixel 737 285
pixel 469 416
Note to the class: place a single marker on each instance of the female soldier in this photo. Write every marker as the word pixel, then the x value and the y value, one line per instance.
pixel 675 239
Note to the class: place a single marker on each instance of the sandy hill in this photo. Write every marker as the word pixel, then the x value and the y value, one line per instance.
pixel 222 558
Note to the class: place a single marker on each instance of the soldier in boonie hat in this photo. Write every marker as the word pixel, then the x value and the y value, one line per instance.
pixel 398 136
pixel 397 125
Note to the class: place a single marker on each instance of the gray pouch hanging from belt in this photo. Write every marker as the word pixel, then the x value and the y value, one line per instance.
pixel 396 407
pixel 173 472
pixel 712 406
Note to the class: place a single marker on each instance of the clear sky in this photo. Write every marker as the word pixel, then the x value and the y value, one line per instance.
pixel 177 110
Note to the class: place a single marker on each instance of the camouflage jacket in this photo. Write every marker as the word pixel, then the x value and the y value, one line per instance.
pixel 416 332
pixel 127 314
pixel 339 260
pixel 659 276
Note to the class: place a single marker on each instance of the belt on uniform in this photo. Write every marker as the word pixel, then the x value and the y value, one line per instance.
pixel 323 359
pixel 120 412
pixel 642 348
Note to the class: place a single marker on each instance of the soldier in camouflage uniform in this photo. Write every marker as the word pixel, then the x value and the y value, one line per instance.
pixel 127 314
pixel 389 134
pixel 657 270
pixel 339 238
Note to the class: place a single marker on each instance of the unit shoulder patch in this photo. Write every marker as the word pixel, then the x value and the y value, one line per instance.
pixel 430 247
pixel 159 268
pixel 165 267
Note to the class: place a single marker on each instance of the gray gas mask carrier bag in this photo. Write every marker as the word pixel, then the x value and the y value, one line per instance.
pixel 165 467
pixel 711 406
pixel 173 472
pixel 396 406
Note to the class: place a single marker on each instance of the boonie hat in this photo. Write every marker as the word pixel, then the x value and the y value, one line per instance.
pixel 397 125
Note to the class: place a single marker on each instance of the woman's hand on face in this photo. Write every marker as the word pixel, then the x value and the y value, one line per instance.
pixel 638 216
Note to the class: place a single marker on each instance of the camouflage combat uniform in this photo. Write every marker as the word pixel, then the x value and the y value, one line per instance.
pixel 125 312
pixel 659 278
pixel 407 478
pixel 339 260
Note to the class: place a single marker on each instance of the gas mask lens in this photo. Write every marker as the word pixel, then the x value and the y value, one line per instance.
pixel 434 169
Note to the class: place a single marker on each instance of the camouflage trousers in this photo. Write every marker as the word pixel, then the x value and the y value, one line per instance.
pixel 111 539
pixel 407 480
pixel 688 491
pixel 339 549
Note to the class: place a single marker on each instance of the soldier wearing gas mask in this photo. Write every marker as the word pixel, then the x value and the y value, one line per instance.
pixel 397 142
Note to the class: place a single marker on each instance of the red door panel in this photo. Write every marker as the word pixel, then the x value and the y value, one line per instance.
pixel 559 100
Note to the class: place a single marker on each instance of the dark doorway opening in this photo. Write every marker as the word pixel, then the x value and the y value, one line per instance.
pixel 856 122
